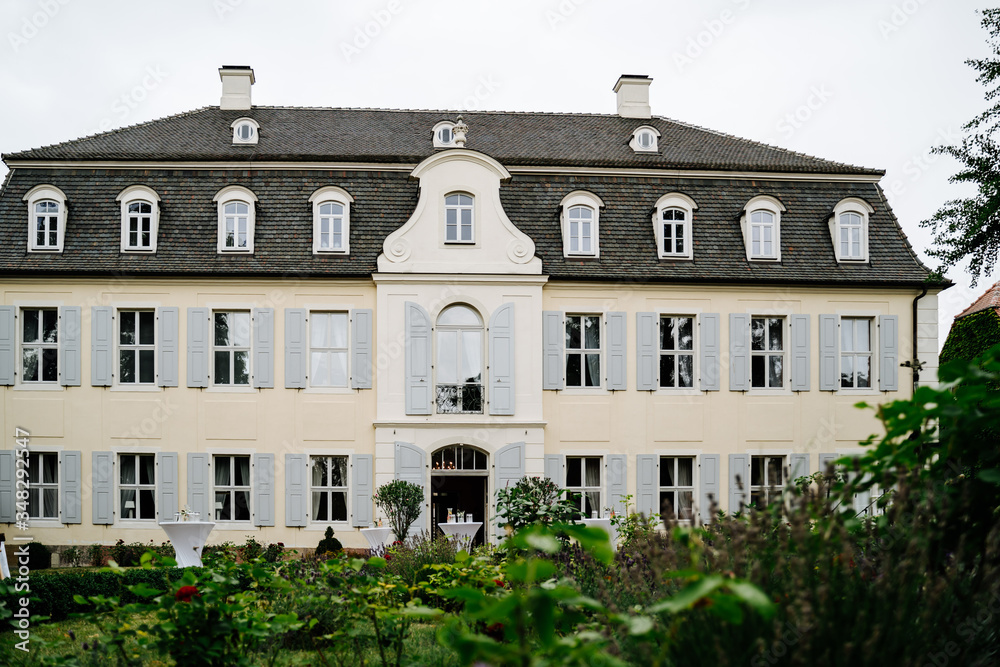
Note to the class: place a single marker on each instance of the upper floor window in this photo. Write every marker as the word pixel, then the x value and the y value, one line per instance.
pixel 855 352
pixel 245 131
pixel 444 134
pixel 137 486
pixel 40 345
pixel 459 457
pixel 231 349
pixel 236 219
pixel 329 488
pixel 583 350
pixel 331 220
pixel 849 229
pixel 583 481
pixel 232 488
pixel 676 352
pixel 458 218
pixel 459 367
pixel 761 223
pixel 644 139
pixel 328 349
pixel 767 352
pixel 672 226
pixel 43 485
pixel 46 218
pixel 137 347
pixel 677 487
pixel 581 224
pixel 140 218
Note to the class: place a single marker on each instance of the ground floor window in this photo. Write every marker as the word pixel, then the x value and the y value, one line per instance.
pixel 767 479
pixel 232 488
pixel 583 479
pixel 329 488
pixel 677 487
pixel 43 485
pixel 137 486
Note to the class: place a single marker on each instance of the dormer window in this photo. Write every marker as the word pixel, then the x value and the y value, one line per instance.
pixel 849 229
pixel 236 219
pixel 761 224
pixel 458 218
pixel 672 226
pixel 331 220
pixel 140 218
pixel 580 224
pixel 645 140
pixel 444 135
pixel 245 131
pixel 46 218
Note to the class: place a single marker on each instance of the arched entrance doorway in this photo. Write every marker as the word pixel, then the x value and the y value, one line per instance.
pixel 460 482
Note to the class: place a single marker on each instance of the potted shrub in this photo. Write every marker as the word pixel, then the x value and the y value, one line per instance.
pixel 401 502
pixel 534 500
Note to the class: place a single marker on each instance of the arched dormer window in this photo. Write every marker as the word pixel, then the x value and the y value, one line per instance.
pixel 581 212
pixel 645 139
pixel 849 229
pixel 672 218
pixel 459 218
pixel 140 209
pixel 444 134
pixel 236 219
pixel 459 361
pixel 46 218
pixel 245 131
pixel 761 224
pixel 331 220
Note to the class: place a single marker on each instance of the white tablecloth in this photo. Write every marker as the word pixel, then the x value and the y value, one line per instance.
pixel 187 538
pixel 463 530
pixel 378 537
pixel 605 525
pixel 4 567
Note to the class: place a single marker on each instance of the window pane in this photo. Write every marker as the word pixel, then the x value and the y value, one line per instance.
pixel 757 334
pixel 241 471
pixel 338 471
pixel 338 369
pixel 29 359
pixel 775 471
pixel 319 329
pixel 864 371
pixel 685 467
pixel 775 371
pixel 147 504
pixel 574 373
pixel 593 370
pixel 128 507
pixel 126 367
pixel 667 471
pixel 592 332
pixel 774 333
pixel 574 476
pixel 451 200
pixel 679 236
pixel 847 335
pixel 242 505
pixel 666 333
pixel 863 328
pixel 126 327
pixel 50 365
pixel 223 506
pixel 319 471
pixel 447 361
pixel 459 315
pixel 338 506
pixel 756 471
pixel 127 472
pixel 223 470
pixel 472 398
pixel 147 334
pixel 222 328
pixel 338 330
pixel 30 326
pixel 472 356
pixel 667 371
pixel 685 370
pixel 685 334
pixel 241 329
pixel 757 371
pixel 685 501
pixel 222 367
pixel 319 506
pixel 50 324
pixel 847 371
pixel 147 469
pixel 573 333
pixel 50 503
pixel 241 367
pixel 447 399
pixel 147 372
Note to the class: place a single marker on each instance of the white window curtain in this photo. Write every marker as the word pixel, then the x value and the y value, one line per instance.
pixel 592 478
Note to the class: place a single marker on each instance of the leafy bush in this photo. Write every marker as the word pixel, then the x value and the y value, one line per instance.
pixel 534 500
pixel 251 550
pixel 328 545
pixel 96 555
pixel 71 556
pixel 39 556
pixel 408 560
pixel 401 502
pixel 274 552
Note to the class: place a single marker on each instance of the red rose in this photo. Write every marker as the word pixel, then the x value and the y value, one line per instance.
pixel 185 593
pixel 499 582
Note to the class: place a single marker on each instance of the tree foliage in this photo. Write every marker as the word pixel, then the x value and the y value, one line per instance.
pixel 401 501
pixel 970 227
pixel 534 500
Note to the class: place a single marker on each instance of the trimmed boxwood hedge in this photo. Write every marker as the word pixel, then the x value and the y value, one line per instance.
pixel 972 335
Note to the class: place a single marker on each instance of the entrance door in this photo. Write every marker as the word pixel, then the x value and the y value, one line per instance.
pixel 459 481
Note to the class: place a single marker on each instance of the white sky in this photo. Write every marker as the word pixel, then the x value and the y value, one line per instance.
pixel 874 83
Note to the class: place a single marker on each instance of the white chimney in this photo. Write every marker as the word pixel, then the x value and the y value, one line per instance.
pixel 236 82
pixel 633 96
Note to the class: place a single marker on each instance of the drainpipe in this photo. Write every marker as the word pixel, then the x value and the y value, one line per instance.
pixel 915 363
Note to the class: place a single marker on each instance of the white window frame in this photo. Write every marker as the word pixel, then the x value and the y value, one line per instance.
pixel 42 486
pixel 855 354
pixel 329 489
pixel 136 347
pixel 37 195
pixel 139 194
pixel 636 143
pixel 588 200
pixel 439 140
pixel 331 195
pixel 460 329
pixel 232 349
pixel 585 488
pixel 253 128
pixel 677 352
pixel 677 488
pixel 232 488
pixel 136 486
pixel 39 345
pixel 846 206
pixel 458 240
pixel 766 353
pixel 235 194
pixel 769 204
pixel 767 487
pixel 346 350
pixel 674 200
pixel 583 351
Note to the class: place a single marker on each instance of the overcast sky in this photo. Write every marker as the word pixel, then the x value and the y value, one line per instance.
pixel 865 82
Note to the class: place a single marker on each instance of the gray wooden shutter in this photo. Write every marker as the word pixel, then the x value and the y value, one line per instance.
pixel 501 373
pixel 70 487
pixel 102 477
pixel 826 460
pixel 553 338
pixel 739 481
pixel 739 352
pixel 8 346
pixel 101 347
pixel 647 493
pixel 617 466
pixel 263 348
pixel 296 490
pixel 168 347
pixel 296 348
pixel 645 351
pixel 361 348
pixel 617 330
pixel 7 485
pixel 509 465
pixel 411 467
pixel 800 352
pixel 708 473
pixel 69 346
pixel 263 489
pixel 167 486
pixel 829 352
pixel 888 352
pixel 198 346
pixel 798 466
pixel 554 469
pixel 199 485
pixel 709 326
pixel 362 483
pixel 418 360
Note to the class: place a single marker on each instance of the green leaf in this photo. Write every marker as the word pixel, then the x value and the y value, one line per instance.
pixel 727 608
pixel 418 611
pixel 754 597
pixel 144 590
pixel 688 596
pixel 543 542
pixel 638 625
pixel 991 476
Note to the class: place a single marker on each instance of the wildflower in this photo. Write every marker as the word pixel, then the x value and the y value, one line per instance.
pixel 185 593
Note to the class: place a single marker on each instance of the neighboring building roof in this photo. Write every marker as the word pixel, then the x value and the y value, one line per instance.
pixel 989 299
pixel 391 136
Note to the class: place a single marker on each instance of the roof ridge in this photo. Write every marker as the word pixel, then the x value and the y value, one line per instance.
pixel 462 111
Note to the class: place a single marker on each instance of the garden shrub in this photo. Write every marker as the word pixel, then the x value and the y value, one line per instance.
pixel 407 560
pixel 402 502
pixel 96 555
pixel 39 556
pixel 71 556
pixel 251 550
pixel 534 500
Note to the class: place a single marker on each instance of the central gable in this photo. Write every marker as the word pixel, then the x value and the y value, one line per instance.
pixel 459 225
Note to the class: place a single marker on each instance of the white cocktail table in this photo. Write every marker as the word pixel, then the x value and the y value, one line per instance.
pixel 464 531
pixel 187 538
pixel 378 537
pixel 605 525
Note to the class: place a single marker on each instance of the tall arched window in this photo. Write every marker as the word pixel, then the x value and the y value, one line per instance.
pixel 459 382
